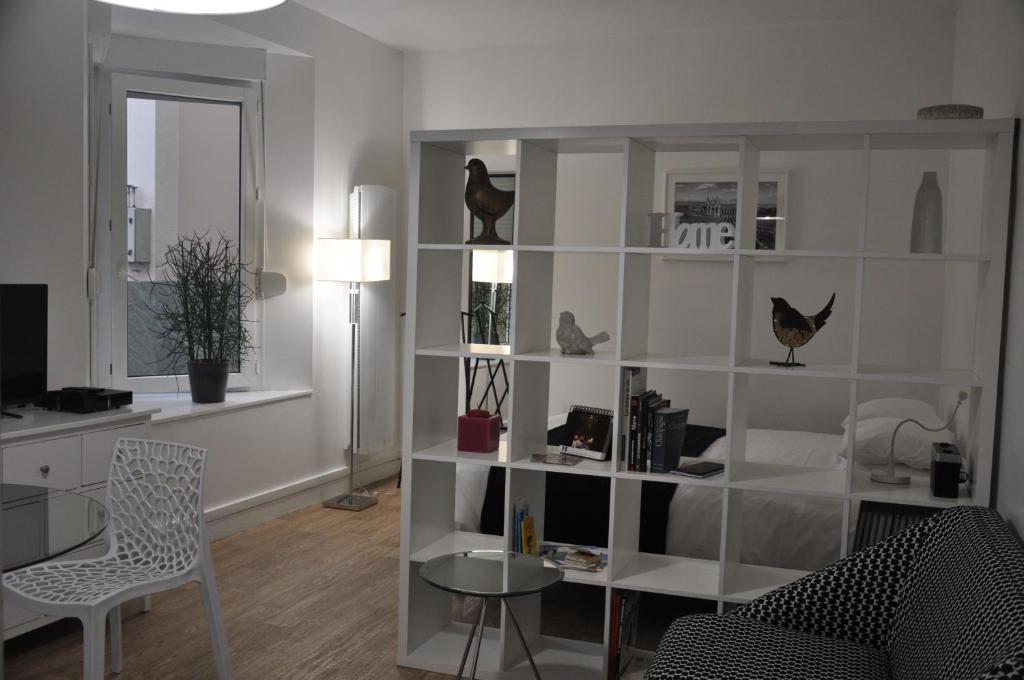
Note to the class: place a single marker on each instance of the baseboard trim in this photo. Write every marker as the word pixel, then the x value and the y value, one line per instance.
pixel 244 513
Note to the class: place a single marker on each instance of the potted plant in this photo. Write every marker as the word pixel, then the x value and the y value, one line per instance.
pixel 201 312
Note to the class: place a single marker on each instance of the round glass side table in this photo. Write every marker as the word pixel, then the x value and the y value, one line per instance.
pixel 480 573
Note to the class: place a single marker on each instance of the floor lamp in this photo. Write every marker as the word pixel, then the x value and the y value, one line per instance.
pixel 354 261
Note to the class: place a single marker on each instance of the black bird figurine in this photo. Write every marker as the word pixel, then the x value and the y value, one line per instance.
pixel 793 329
pixel 486 202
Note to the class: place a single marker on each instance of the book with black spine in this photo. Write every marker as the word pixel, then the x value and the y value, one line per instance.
pixel 634 382
pixel 641 453
pixel 669 434
pixel 634 428
pixel 652 408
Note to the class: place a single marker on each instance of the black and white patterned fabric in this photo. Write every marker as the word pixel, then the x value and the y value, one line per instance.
pixel 1008 669
pixel 709 647
pixel 853 599
pixel 941 600
pixel 962 607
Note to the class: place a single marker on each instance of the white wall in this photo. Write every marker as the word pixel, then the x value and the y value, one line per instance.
pixel 813 71
pixel 333 121
pixel 791 71
pixel 43 180
pixel 357 124
pixel 987 71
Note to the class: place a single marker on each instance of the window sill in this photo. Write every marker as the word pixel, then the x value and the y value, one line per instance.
pixel 179 406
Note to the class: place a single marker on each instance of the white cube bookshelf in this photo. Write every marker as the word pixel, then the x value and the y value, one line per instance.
pixel 727 357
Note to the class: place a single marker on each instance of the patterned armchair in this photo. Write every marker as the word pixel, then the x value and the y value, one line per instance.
pixel 941 600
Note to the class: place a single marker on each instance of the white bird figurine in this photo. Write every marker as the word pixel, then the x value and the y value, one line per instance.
pixel 572 339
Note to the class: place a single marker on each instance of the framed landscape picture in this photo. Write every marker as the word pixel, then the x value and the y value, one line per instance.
pixel 706 206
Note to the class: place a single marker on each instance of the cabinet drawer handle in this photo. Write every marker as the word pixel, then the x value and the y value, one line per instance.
pixel 45 469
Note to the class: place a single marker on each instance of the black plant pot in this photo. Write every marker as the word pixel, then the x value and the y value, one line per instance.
pixel 208 381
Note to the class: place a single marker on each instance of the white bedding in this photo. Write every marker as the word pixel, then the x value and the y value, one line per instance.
pixel 779 530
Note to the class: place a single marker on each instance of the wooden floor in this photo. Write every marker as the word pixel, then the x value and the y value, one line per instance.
pixel 311 595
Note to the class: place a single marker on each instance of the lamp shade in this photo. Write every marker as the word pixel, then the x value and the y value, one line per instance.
pixel 492 266
pixel 353 259
pixel 198 6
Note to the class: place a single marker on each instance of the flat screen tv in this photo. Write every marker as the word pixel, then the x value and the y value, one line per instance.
pixel 22 344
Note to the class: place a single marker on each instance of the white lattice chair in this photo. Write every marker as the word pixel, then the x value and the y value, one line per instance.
pixel 157 539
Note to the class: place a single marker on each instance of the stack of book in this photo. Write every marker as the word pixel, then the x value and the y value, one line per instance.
pixel 524 533
pixel 654 431
pixel 575 557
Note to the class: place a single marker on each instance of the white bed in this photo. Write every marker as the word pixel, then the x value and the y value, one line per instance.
pixel 779 530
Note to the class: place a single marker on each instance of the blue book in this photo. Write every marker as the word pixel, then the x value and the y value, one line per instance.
pixel 667 440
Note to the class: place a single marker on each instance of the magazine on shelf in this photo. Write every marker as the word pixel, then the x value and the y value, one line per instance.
pixel 575 557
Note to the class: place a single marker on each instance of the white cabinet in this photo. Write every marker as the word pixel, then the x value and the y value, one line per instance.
pixel 96 449
pixel 54 463
pixel 62 451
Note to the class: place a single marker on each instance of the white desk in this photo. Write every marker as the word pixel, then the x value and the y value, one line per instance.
pixel 67 451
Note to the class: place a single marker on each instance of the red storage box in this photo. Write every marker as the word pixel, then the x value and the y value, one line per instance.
pixel 479 432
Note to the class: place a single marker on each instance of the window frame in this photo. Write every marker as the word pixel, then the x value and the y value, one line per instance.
pixel 252 233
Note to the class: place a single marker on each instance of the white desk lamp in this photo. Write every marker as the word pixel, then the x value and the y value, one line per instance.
pixel 889 476
pixel 355 261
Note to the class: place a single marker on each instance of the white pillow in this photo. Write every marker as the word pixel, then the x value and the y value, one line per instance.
pixel 913 445
pixel 898 407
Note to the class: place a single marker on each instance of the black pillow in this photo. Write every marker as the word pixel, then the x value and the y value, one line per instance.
pixel 698 438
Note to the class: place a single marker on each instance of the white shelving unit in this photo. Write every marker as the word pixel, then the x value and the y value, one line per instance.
pixel 437 268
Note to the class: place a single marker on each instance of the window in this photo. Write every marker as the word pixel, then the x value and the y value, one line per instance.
pixel 182 163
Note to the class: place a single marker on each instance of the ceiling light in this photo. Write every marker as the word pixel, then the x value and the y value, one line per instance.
pixel 198 6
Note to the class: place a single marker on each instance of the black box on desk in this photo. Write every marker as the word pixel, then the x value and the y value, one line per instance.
pixel 946 464
pixel 87 399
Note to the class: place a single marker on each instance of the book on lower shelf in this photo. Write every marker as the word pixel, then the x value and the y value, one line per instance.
pixel 622 653
pixel 524 535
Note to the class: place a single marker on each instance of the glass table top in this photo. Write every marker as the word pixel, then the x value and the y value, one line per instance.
pixel 479 573
pixel 40 524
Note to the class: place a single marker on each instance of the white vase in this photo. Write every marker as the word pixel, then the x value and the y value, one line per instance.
pixel 926 229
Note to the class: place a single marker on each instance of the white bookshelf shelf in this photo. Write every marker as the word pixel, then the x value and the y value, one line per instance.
pixel 467 350
pixel 697 320
pixel 448 452
pixel 710 482
pixel 764 367
pixel 554 355
pixel 723 255
pixel 458 541
pixel 788 479
pixel 918 492
pixel 670 575
pixel 746 582
pixel 682 363
pixel 596 468
pixel 442 652
pixel 562 658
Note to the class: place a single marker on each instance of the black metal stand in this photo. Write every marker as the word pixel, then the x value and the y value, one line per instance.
pixel 478 631
pixel 790 361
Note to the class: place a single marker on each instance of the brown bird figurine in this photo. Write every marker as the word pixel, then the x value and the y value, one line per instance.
pixel 793 329
pixel 486 202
